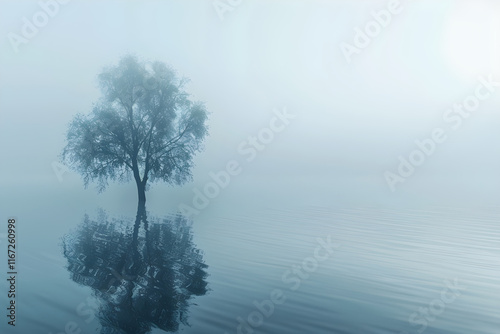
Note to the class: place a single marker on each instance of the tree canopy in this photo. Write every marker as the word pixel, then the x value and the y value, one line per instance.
pixel 145 126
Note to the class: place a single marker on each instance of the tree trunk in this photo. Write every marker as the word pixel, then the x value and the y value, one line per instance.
pixel 141 184
pixel 141 191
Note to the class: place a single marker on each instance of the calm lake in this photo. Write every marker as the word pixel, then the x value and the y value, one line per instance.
pixel 301 270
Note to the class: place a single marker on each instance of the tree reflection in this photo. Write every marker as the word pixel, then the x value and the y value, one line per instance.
pixel 143 275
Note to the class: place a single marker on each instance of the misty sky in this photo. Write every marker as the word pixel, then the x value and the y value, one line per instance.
pixel 352 120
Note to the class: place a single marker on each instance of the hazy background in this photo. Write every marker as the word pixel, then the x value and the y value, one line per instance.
pixel 352 120
pixel 322 176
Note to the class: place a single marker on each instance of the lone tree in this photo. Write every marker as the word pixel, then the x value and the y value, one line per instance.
pixel 144 126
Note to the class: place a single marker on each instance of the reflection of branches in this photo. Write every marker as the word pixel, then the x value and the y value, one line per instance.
pixel 144 276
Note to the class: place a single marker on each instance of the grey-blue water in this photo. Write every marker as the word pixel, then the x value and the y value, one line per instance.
pixel 433 270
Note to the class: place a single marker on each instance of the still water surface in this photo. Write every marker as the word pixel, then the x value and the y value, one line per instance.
pixel 388 271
